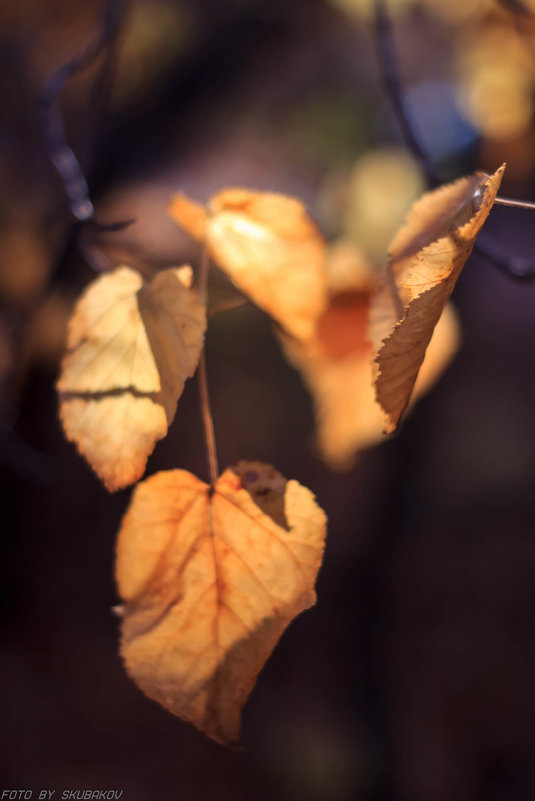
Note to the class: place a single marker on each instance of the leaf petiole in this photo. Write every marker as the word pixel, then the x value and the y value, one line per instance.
pixel 206 412
pixel 519 204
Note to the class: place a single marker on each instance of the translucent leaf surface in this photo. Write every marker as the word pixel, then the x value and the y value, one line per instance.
pixel 210 580
pixel 131 347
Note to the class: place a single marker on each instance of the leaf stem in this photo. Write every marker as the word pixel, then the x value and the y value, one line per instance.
pixel 396 300
pixel 206 411
pixel 228 305
pixel 208 422
pixel 204 270
pixel 519 204
pixel 389 74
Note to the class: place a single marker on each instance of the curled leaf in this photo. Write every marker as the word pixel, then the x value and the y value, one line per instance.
pixel 130 348
pixel 268 246
pixel 336 363
pixel 210 579
pixel 426 259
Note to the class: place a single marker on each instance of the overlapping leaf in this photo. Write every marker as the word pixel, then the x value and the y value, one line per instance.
pixel 426 259
pixel 336 362
pixel 210 579
pixel 131 347
pixel 268 247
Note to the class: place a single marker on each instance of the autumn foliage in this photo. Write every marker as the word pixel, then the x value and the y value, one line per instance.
pixel 210 578
pixel 269 248
pixel 210 575
pixel 425 260
pixel 130 348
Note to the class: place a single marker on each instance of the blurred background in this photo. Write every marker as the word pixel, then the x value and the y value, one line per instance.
pixel 413 677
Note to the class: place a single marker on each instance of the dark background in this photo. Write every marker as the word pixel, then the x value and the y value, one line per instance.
pixel 413 677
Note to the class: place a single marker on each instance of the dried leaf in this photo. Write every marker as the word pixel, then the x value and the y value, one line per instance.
pixel 131 347
pixel 268 247
pixel 210 580
pixel 336 362
pixel 189 215
pixel 426 258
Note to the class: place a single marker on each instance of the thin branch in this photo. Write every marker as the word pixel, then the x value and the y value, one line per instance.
pixel 92 255
pixel 91 252
pixel 227 305
pixel 394 292
pixel 100 94
pixel 204 271
pixel 516 7
pixel 20 456
pixel 208 421
pixel 389 69
pixel 60 152
pixel 518 268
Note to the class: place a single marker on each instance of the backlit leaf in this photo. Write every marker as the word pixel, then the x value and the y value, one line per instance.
pixel 131 346
pixel 210 580
pixel 426 258
pixel 269 248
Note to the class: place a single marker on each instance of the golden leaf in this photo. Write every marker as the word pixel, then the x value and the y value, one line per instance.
pixel 131 347
pixel 426 259
pixel 210 579
pixel 269 248
pixel 189 215
pixel 336 363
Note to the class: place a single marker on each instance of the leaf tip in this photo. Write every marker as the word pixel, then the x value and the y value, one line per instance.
pixel 188 215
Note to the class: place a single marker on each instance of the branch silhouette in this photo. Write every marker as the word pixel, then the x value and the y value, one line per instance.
pixel 59 150
pixel 518 268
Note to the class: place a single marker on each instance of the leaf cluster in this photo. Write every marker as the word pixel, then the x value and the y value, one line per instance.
pixel 210 575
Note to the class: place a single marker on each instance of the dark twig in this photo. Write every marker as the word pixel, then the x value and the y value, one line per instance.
pixel 100 95
pixel 518 268
pixel 227 305
pixel 112 227
pixel 60 152
pixel 19 455
pixel 517 7
pixel 388 65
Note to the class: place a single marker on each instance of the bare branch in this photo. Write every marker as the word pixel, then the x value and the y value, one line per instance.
pixel 517 7
pixel 388 65
pixel 518 268
pixel 61 154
